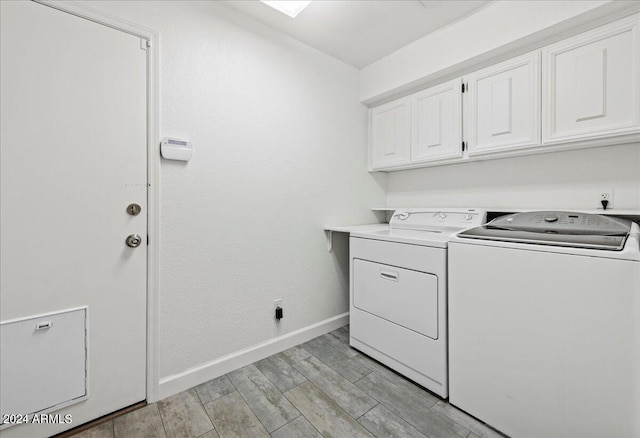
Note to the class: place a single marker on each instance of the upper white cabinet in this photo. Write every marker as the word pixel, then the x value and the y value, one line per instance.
pixel 580 92
pixel 390 139
pixel 503 110
pixel 436 128
pixel 592 84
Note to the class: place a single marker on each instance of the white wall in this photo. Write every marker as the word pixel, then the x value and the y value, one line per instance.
pixel 498 29
pixel 560 180
pixel 280 151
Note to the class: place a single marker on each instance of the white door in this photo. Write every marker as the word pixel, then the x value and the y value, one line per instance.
pixel 437 123
pixel 592 83
pixel 73 157
pixel 503 108
pixel 391 134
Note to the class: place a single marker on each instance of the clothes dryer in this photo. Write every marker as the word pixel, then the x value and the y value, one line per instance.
pixel 398 292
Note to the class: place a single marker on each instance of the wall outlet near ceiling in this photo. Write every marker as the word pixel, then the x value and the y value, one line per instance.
pixel 605 197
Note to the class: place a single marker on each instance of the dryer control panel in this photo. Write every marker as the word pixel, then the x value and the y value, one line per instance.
pixel 428 218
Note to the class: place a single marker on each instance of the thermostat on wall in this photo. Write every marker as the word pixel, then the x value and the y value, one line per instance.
pixel 176 149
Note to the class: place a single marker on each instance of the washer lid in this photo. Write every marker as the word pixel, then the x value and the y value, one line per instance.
pixel 558 228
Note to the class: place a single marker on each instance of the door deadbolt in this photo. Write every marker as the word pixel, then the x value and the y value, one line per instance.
pixel 133 240
pixel 134 209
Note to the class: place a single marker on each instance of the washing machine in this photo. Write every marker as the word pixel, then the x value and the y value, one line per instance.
pixel 398 291
pixel 544 320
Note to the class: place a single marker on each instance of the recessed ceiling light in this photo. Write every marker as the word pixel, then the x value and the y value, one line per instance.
pixel 288 7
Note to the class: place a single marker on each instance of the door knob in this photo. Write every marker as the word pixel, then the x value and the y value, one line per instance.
pixel 133 240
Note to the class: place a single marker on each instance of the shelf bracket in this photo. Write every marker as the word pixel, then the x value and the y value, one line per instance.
pixel 329 235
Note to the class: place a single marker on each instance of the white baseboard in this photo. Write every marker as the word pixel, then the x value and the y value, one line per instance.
pixel 195 376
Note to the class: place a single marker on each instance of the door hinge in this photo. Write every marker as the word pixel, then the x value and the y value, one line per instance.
pixel 465 87
pixel 464 146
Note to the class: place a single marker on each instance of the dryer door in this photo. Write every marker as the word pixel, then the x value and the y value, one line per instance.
pixel 405 297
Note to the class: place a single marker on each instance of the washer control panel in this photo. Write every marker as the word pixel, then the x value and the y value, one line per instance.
pixel 563 222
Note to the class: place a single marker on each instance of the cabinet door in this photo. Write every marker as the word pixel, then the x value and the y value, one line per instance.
pixel 436 123
pixel 390 134
pixel 503 110
pixel 592 84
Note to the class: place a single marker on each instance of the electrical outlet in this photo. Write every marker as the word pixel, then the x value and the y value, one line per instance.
pixel 277 309
pixel 606 196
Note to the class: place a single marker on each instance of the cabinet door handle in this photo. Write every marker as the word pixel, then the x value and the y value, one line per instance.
pixel 44 325
pixel 389 275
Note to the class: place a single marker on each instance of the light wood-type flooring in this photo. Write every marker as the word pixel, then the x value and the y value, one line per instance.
pixel 322 388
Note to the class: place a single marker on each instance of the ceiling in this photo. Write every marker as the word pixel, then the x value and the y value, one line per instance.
pixel 360 32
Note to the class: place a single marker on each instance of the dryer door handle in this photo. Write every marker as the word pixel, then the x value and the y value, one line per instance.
pixel 390 275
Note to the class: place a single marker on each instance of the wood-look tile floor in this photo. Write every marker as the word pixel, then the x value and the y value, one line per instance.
pixel 322 388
